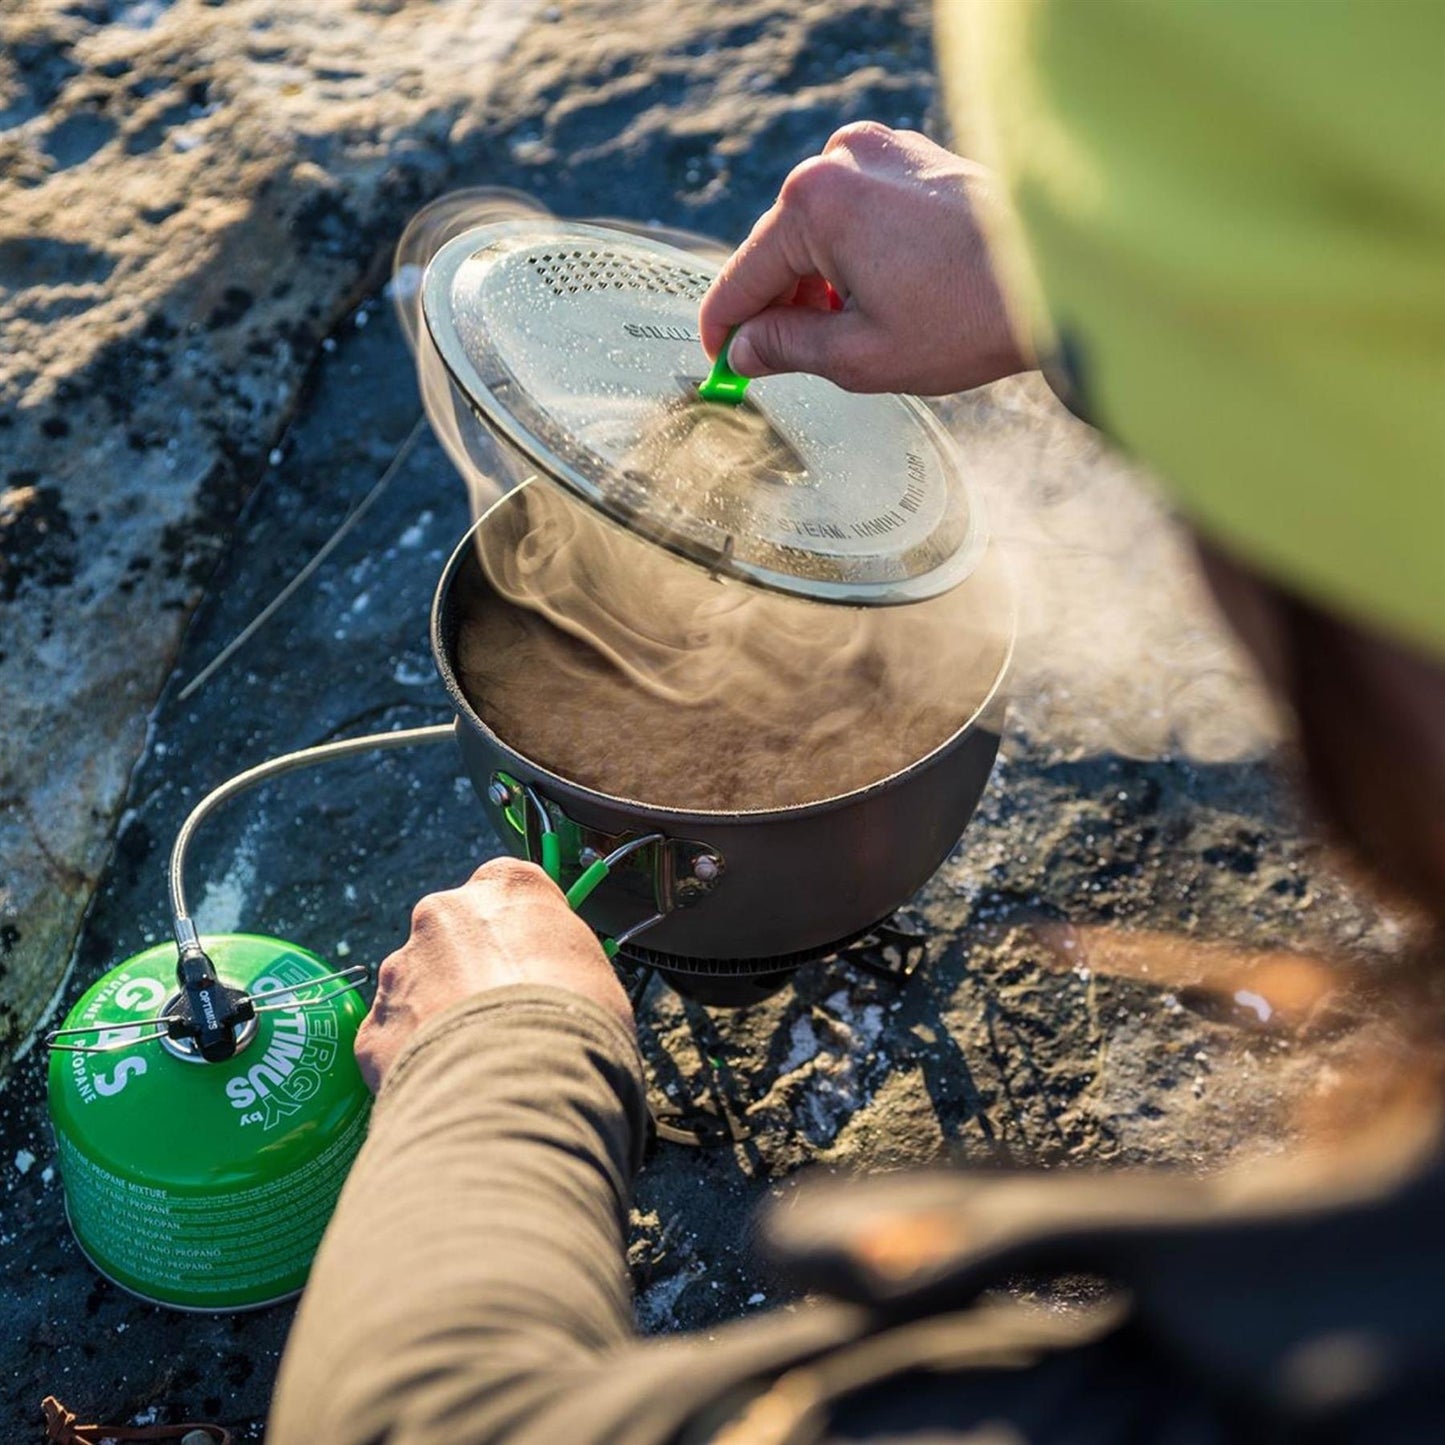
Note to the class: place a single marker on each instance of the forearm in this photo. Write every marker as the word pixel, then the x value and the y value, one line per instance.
pixel 475 1261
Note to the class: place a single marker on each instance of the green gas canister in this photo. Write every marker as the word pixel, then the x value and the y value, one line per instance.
pixel 204 1184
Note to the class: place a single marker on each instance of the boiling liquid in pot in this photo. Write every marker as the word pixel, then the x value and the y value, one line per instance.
pixel 613 664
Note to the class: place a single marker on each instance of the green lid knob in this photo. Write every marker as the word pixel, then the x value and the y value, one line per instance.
pixel 722 383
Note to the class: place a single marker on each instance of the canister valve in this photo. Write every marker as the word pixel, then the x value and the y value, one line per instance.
pixel 208 1012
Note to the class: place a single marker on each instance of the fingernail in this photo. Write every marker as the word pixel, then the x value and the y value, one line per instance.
pixel 741 356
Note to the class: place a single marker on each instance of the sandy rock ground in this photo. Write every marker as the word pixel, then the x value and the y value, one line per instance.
pixel 200 378
pixel 190 195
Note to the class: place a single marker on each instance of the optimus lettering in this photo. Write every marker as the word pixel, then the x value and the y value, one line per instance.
pixel 301 1051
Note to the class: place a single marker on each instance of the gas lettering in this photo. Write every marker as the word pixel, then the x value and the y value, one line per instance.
pixel 136 995
pixel 133 995
pixel 112 1084
pixel 114 1038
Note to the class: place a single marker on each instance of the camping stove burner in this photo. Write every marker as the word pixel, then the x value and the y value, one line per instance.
pixel 891 950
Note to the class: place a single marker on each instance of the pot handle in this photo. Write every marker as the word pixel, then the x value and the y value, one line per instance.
pixel 593 875
pixel 523 803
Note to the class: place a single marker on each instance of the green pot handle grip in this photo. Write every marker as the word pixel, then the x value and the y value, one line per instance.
pixel 586 885
pixel 518 798
pixel 552 856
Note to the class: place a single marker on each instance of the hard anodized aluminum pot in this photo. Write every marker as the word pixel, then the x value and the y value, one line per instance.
pixel 207 1186
pixel 744 887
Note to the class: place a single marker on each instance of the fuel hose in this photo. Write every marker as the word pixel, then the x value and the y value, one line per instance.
pixel 182 925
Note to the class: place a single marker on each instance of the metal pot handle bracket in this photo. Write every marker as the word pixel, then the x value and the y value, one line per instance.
pixel 681 872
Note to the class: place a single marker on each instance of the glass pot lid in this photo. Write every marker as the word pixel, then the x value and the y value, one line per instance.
pixel 579 345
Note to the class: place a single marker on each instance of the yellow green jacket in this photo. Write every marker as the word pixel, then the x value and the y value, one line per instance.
pixel 1232 217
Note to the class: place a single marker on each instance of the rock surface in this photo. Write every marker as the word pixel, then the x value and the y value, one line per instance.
pixel 191 195
pixel 1097 941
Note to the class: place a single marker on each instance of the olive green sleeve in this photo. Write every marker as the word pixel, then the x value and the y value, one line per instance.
pixel 472 1285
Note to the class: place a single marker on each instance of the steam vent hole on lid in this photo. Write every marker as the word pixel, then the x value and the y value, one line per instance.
pixel 620 667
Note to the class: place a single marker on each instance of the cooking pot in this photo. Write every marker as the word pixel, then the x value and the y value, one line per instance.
pixel 739 892
pixel 565 354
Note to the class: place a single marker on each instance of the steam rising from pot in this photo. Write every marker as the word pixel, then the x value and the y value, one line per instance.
pixel 628 670
pixel 427 232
